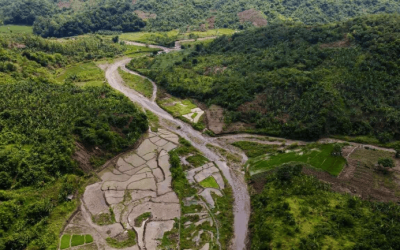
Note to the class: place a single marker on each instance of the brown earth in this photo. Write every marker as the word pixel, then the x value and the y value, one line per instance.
pixel 211 22
pixel 62 5
pixel 144 15
pixel 253 16
pixel 82 156
pixel 215 119
pixel 214 70
pixel 256 105
pixel 339 44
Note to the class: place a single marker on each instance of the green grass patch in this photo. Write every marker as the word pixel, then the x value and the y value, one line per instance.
pixel 154 121
pixel 133 50
pixel 209 182
pixel 65 241
pixel 88 239
pixel 176 106
pixel 369 157
pixel 197 160
pixel 77 240
pixel 161 38
pixel 84 75
pixel 14 29
pixel 139 220
pixel 104 218
pixel 253 149
pixel 318 157
pixel 140 84
pixel 131 241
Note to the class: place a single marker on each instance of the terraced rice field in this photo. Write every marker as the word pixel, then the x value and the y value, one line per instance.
pixel 135 206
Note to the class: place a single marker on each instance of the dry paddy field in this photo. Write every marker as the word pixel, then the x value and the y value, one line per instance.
pixel 134 206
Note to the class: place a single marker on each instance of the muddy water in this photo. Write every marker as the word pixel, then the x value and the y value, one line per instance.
pixel 198 140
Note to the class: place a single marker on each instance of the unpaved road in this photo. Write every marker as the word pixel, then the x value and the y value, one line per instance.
pixel 235 178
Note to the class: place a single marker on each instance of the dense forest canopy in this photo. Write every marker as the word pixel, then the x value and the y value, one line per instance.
pixel 295 80
pixel 64 18
pixel 240 14
pixel 117 17
pixel 41 123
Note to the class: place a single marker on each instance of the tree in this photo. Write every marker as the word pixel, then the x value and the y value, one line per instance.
pixel 115 39
pixel 385 164
pixel 337 150
pixel 5 180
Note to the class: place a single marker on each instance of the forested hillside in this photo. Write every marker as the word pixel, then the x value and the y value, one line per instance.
pixel 65 18
pixel 295 80
pixel 43 124
pixel 238 14
pixel 116 17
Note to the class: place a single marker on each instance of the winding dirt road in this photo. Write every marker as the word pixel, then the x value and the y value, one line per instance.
pixel 235 177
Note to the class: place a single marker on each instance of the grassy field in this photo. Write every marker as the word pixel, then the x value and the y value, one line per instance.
pixel 147 37
pixel 133 50
pixel 85 74
pixel 156 37
pixel 208 33
pixel 253 149
pixel 16 29
pixel 139 220
pixel 131 241
pixel 197 160
pixel 140 84
pixel 209 182
pixel 154 121
pixel 319 157
pixel 177 106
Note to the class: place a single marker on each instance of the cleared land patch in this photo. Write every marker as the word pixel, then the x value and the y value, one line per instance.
pixel 16 29
pixel 84 75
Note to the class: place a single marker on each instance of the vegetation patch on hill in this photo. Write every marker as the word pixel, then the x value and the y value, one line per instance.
pixel 298 211
pixel 280 80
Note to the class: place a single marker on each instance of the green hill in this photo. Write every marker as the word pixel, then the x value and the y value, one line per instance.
pixel 64 18
pixel 294 80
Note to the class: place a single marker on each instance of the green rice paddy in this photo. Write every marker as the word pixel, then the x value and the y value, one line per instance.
pixel 16 29
pixel 209 182
pixel 68 241
pixel 318 157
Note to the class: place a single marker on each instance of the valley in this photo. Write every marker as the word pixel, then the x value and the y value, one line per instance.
pixel 199 125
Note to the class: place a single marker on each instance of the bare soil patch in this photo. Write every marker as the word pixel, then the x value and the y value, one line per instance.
pixel 215 119
pixel 258 105
pixel 82 155
pixel 211 22
pixel 339 44
pixel 62 5
pixel 145 15
pixel 253 16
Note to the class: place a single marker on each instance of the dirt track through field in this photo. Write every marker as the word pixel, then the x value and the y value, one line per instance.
pixel 234 176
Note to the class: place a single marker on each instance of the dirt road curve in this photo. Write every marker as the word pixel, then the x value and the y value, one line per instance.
pixel 198 140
